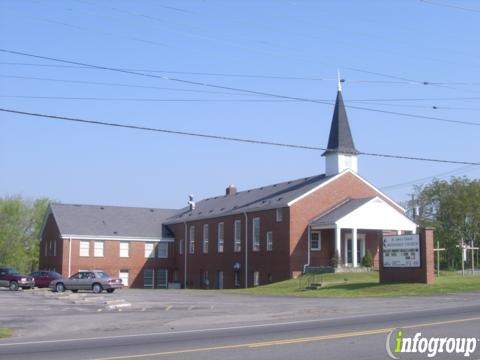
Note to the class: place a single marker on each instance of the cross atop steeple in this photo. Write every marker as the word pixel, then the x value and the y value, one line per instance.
pixel 339 82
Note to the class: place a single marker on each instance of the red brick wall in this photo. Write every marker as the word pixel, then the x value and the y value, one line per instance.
pixel 424 274
pixel 316 203
pixel 271 265
pixel 111 262
pixel 324 256
pixel 51 235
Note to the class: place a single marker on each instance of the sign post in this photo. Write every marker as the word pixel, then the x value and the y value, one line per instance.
pixel 437 250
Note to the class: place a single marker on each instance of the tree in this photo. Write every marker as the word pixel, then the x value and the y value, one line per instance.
pixel 453 209
pixel 20 225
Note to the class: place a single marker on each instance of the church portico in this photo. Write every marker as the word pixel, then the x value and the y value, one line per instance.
pixel 348 231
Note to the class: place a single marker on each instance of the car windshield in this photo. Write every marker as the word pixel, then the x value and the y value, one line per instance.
pixel 11 271
pixel 55 275
pixel 102 275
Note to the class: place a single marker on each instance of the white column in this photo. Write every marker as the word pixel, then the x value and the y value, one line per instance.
pixel 354 248
pixel 338 242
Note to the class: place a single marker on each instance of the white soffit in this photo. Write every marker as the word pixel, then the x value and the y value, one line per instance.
pixel 376 214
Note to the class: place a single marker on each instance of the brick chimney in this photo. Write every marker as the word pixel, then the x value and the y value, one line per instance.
pixel 231 190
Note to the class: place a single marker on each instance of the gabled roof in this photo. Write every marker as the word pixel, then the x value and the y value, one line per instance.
pixel 340 139
pixel 339 211
pixel 372 213
pixel 111 221
pixel 265 197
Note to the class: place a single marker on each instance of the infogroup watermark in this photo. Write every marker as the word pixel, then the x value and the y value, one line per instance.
pixel 397 343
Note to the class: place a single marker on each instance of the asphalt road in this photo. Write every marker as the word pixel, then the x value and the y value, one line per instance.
pixel 360 334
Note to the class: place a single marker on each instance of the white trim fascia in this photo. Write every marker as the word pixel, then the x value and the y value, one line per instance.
pixel 335 224
pixel 113 238
pixel 323 227
pixel 317 187
pixel 380 192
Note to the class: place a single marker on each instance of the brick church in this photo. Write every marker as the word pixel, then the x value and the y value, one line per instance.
pixel 238 238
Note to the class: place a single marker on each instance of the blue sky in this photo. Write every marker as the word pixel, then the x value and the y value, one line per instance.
pixel 307 39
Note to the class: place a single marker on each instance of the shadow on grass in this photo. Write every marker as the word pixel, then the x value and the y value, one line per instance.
pixel 352 287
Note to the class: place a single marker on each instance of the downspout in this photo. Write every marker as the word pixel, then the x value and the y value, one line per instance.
pixel 69 256
pixel 308 246
pixel 246 250
pixel 185 258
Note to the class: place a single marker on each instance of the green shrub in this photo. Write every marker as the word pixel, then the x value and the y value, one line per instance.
pixel 367 260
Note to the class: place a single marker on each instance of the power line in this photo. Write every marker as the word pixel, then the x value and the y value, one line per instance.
pixel 198 83
pixel 138 99
pixel 115 84
pixel 437 3
pixel 226 93
pixel 256 76
pixel 227 138
pixel 457 171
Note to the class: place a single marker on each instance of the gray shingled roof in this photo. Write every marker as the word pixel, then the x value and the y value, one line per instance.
pixel 336 213
pixel 97 220
pixel 265 197
pixel 340 139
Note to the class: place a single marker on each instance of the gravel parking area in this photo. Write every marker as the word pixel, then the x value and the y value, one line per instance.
pixel 42 314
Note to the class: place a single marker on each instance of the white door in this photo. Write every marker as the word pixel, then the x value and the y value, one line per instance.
pixel 349 249
pixel 123 275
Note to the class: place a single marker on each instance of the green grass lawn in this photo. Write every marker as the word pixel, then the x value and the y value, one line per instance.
pixel 5 332
pixel 364 284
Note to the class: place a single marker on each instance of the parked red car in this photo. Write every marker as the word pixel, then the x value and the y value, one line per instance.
pixel 44 278
pixel 12 279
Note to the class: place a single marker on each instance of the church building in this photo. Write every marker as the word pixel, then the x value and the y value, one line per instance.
pixel 238 238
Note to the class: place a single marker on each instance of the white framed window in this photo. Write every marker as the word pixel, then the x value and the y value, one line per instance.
pixel 84 248
pixel 191 242
pixel 256 278
pixel 124 249
pixel 315 241
pixel 180 247
pixel 54 247
pixel 162 250
pixel 149 250
pixel 269 241
pixel 279 214
pixel 98 248
pixel 123 275
pixel 206 231
pixel 220 237
pixel 256 234
pixel 237 241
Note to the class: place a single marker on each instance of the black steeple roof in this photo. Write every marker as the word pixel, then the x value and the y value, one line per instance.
pixel 340 139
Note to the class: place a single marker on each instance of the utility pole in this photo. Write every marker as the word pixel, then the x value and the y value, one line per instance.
pixel 414 209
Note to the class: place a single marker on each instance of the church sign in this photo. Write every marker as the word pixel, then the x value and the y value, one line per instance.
pixel 402 251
